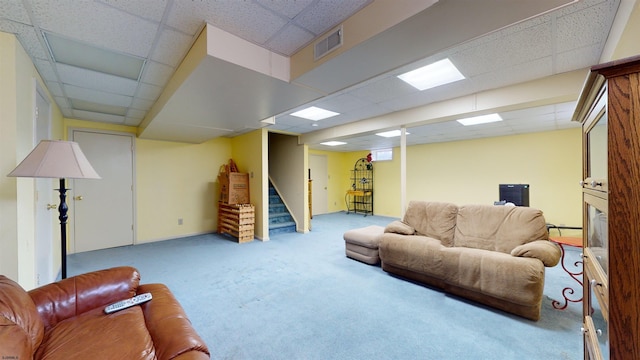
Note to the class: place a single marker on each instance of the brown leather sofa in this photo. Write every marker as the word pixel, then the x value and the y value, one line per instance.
pixel 66 320
pixel 494 255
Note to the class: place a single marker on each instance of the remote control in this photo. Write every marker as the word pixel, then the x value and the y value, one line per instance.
pixel 120 305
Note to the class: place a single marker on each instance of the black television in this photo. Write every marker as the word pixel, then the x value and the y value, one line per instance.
pixel 517 194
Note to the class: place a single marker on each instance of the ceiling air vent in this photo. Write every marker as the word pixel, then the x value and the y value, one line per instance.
pixel 328 43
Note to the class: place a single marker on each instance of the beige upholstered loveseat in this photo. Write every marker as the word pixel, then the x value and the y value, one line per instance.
pixel 494 255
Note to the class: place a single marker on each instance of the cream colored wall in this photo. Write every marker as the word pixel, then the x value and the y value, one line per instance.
pixel 17 139
pixel 178 181
pixel 250 152
pixel 465 172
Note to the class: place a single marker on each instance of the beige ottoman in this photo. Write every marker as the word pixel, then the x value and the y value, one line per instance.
pixel 362 244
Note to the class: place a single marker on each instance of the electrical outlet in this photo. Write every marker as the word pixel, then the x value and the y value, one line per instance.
pixel 179 221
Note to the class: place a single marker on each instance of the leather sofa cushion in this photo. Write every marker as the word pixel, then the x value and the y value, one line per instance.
pixel 72 296
pixel 498 228
pixel 96 335
pixel 164 318
pixel 432 219
pixel 21 329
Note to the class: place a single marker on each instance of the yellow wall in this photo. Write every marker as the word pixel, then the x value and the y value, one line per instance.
pixel 177 181
pixel 466 172
pixel 173 181
pixel 250 153
pixel 17 195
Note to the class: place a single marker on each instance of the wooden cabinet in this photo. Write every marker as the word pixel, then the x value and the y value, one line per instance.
pixel 609 110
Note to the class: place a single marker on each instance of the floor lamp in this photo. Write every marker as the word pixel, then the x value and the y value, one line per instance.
pixel 61 160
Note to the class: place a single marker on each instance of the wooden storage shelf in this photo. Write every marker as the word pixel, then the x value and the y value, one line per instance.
pixel 237 220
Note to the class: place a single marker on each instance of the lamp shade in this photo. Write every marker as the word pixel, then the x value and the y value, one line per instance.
pixel 55 159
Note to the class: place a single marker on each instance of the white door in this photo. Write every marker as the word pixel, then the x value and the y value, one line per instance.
pixel 103 211
pixel 318 166
pixel 46 211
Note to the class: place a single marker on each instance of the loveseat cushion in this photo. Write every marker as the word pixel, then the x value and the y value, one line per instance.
pixel 518 280
pixel 432 219
pixel 21 329
pixel 498 228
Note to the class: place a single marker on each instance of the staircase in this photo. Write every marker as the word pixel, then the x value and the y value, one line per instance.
pixel 280 220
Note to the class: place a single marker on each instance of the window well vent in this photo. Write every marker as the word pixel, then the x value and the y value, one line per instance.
pixel 328 43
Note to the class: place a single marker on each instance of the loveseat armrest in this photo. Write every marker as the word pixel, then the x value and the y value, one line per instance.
pixel 545 250
pixel 75 295
pixel 399 227
pixel 171 331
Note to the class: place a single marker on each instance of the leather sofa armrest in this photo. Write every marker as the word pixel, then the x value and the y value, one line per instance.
pixel 171 331
pixel 546 251
pixel 75 295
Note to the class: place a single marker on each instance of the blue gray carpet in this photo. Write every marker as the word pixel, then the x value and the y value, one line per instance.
pixel 298 297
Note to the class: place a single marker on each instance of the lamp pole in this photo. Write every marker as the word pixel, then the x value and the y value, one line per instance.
pixel 63 209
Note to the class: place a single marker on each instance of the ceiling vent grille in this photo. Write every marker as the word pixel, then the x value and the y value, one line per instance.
pixel 328 43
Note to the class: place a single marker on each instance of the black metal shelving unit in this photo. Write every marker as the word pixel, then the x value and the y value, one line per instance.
pixel 359 198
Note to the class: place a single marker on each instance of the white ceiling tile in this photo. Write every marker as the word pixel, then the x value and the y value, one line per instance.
pixel 245 19
pixel 46 70
pixel 110 28
pixel 578 58
pixel 136 114
pixel 99 97
pixel 141 104
pixel 31 42
pixel 95 80
pixel 156 74
pixel 149 92
pixel 172 47
pixel 55 88
pixel 289 40
pixel 585 27
pixel 343 103
pixel 287 8
pixel 384 89
pixel 108 118
pixel 62 102
pixel 15 11
pixel 147 9
pixel 326 14
pixel 132 121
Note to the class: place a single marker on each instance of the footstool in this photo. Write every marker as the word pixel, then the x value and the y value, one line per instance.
pixel 362 244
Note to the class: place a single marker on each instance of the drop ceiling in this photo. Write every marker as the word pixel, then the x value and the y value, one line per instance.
pixel 182 96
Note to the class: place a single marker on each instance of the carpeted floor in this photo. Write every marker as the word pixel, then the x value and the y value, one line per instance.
pixel 298 297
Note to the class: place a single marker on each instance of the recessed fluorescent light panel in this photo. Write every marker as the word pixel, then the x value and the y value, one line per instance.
pixel 314 113
pixel 78 54
pixel 482 119
pixel 333 143
pixel 436 74
pixel 83 105
pixel 392 133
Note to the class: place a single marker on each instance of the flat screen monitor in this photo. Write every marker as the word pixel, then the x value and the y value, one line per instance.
pixel 517 194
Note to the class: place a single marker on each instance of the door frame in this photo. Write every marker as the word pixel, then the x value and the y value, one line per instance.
pixel 324 174
pixel 71 229
pixel 44 220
